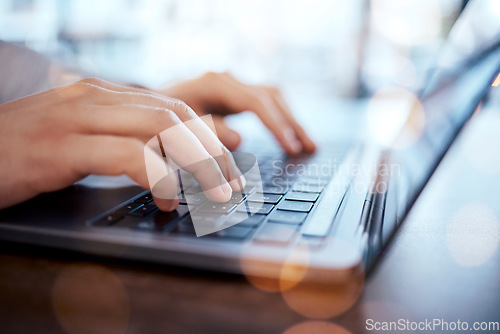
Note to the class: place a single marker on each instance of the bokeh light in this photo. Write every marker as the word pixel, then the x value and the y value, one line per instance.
pixel 90 299
pixel 473 235
pixel 496 82
pixel 315 43
pixel 322 293
pixel 316 327
pixel 316 290
pixel 407 22
pixel 389 110
pixel 265 273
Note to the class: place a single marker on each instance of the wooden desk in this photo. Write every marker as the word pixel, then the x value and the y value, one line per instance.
pixel 443 263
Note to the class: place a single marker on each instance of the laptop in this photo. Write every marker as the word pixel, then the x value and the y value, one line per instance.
pixel 334 211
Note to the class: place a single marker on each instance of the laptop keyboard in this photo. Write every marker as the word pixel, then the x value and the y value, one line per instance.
pixel 273 213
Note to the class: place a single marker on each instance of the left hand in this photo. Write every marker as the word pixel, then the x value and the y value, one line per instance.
pixel 221 94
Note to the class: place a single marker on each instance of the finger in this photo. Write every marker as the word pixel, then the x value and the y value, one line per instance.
pixel 183 146
pixel 106 93
pixel 111 155
pixel 285 110
pixel 179 143
pixel 240 97
pixel 162 179
pixel 129 120
pixel 204 129
pixel 230 138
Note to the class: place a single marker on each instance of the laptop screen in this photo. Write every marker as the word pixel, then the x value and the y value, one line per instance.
pixel 467 65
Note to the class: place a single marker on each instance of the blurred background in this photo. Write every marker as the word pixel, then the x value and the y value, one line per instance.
pixel 344 48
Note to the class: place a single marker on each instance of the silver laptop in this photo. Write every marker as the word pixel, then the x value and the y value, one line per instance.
pixel 334 211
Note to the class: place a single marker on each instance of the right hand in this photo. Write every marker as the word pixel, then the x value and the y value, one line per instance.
pixel 52 139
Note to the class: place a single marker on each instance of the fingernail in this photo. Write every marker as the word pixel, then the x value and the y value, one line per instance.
pixel 232 139
pixel 293 144
pixel 226 190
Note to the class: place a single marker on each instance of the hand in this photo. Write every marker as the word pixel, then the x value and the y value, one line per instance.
pixel 52 139
pixel 221 94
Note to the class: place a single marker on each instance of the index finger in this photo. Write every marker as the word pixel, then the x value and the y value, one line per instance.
pixel 283 106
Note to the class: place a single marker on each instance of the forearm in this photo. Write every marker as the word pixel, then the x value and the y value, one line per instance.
pixel 24 72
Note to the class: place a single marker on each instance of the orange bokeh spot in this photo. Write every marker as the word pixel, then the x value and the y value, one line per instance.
pixel 316 327
pixel 497 81
pixel 90 299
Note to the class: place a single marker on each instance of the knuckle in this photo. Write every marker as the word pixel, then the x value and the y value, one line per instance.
pixel 163 116
pixel 260 102
pixel 91 82
pixel 88 87
pixel 211 75
pixel 183 107
pixel 227 74
pixel 83 87
pixel 275 91
pixel 218 76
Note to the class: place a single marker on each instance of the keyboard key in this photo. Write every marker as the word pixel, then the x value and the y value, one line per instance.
pixel 145 199
pixel 243 219
pixel 185 225
pixel 196 199
pixel 309 188
pixel 233 232
pixel 287 217
pixel 161 220
pixel 300 196
pixel 167 218
pixel 278 190
pixel 144 210
pixel 275 233
pixel 216 207
pixel 109 219
pixel 128 208
pixel 295 206
pixel 237 198
pixel 265 198
pixel 256 208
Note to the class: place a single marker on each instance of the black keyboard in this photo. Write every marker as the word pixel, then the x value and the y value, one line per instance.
pixel 270 210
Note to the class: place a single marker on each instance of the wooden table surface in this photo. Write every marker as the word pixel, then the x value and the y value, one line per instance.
pixel 444 263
